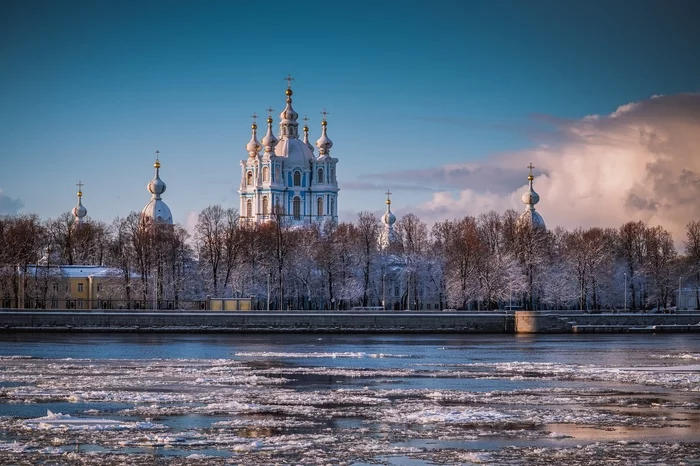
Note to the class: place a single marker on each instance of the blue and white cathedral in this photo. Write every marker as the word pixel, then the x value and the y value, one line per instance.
pixel 283 176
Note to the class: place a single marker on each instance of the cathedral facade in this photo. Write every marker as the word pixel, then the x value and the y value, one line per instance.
pixel 282 177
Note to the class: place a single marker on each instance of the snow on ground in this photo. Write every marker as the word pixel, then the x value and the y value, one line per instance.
pixel 239 411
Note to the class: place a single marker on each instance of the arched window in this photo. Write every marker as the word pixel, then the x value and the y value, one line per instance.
pixel 331 206
pixel 319 204
pixel 265 206
pixel 320 175
pixel 296 208
pixel 332 175
pixel 249 208
pixel 297 178
pixel 266 174
pixel 249 178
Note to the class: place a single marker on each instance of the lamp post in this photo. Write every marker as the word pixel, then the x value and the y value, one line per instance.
pixel 383 292
pixel 625 308
pixel 269 273
pixel 678 304
pixel 510 296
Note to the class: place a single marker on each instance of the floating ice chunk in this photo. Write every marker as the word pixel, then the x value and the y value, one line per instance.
pixel 66 421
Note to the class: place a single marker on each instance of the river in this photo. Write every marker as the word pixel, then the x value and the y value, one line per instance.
pixel 354 400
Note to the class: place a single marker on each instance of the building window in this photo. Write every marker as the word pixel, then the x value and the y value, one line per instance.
pixel 331 207
pixel 55 287
pixel 249 178
pixel 266 174
pixel 320 175
pixel 296 208
pixel 80 287
pixel 427 306
pixel 297 178
pixel 54 303
pixel 80 304
pixel 99 287
pixel 249 208
pixel 265 206
pixel 332 175
pixel 319 203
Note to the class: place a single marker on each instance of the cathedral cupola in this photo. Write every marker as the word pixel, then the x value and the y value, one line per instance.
pixel 306 135
pixel 289 128
pixel 156 209
pixel 79 211
pixel 269 141
pixel 253 147
pixel 530 217
pixel 324 143
pixel 387 235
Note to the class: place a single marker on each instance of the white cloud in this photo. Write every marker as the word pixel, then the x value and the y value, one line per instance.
pixel 641 162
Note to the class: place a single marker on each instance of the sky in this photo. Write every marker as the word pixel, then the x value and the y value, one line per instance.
pixel 444 103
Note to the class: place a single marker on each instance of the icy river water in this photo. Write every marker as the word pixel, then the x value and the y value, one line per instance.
pixel 359 399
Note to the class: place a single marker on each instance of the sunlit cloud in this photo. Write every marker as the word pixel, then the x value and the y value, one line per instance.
pixel 640 162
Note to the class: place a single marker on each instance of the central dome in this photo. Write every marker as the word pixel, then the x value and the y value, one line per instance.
pixel 297 153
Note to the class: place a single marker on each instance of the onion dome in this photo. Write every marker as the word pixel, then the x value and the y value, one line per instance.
pixel 530 217
pixel 324 143
pixel 306 135
pixel 156 209
pixel 289 127
pixel 297 152
pixel 79 211
pixel 388 218
pixel 269 141
pixel 253 146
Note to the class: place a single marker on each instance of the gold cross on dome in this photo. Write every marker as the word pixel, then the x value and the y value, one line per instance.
pixel 531 166
pixel 306 119
pixel 289 80
pixel 80 185
pixel 254 116
pixel 388 193
pixel 269 111
pixel 324 113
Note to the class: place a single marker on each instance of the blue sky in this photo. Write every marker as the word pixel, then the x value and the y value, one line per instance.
pixel 89 90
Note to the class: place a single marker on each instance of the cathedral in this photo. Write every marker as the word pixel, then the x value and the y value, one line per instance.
pixel 283 176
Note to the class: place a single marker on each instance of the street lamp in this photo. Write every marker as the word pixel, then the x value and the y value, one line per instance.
pixel 625 308
pixel 678 304
pixel 269 273
pixel 510 296
pixel 383 292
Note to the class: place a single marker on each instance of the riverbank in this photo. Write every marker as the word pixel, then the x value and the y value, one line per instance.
pixel 344 322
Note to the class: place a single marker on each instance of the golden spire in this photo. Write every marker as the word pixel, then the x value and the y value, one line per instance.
pixel 269 111
pixel 530 177
pixel 324 113
pixel 306 127
pixel 157 163
pixel 254 116
pixel 388 198
pixel 80 185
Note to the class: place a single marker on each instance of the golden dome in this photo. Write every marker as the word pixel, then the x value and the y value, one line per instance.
pixel 288 92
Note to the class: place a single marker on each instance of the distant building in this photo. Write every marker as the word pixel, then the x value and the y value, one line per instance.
pixel 287 178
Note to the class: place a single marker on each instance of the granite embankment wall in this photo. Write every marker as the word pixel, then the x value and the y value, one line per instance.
pixel 305 321
pixel 247 321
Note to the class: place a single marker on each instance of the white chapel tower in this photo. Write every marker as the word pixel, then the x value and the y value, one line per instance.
pixel 287 178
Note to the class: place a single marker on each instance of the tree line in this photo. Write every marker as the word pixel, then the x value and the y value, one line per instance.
pixel 483 262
